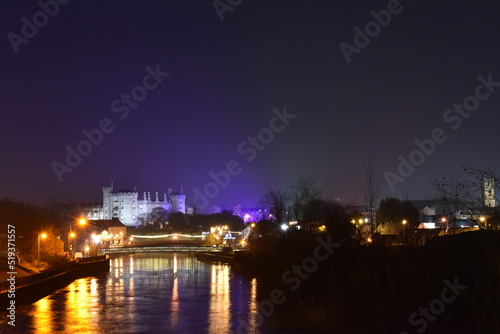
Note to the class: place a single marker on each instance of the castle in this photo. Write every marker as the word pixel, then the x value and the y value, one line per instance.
pixel 128 207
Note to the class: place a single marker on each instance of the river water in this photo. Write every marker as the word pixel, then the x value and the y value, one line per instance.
pixel 149 293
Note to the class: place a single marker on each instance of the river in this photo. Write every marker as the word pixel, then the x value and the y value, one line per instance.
pixel 149 293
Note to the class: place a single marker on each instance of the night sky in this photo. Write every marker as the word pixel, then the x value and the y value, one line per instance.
pixel 225 78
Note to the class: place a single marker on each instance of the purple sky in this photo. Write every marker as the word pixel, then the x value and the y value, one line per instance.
pixel 225 78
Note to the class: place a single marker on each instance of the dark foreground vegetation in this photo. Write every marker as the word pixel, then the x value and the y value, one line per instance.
pixel 450 285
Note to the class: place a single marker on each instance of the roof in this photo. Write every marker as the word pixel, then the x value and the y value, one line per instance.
pixel 107 223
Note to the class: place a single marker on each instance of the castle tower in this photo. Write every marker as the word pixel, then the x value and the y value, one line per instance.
pixel 125 206
pixel 178 201
pixel 489 192
pixel 107 201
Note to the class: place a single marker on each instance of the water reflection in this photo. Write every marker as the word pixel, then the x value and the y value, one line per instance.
pixel 174 305
pixel 253 312
pixel 220 305
pixel 43 320
pixel 148 293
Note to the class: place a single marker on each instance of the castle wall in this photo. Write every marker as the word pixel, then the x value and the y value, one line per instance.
pixel 128 207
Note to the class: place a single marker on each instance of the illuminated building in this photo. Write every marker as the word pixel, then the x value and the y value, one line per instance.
pixel 128 207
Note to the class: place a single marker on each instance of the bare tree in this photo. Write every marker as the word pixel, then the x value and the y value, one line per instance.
pixel 370 186
pixel 482 185
pixel 276 203
pixel 480 189
pixel 469 191
pixel 458 195
pixel 304 195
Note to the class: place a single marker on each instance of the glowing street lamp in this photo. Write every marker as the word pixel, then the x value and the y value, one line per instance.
pixel 357 224
pixel 404 230
pixel 42 236
pixel 71 235
pixel 445 221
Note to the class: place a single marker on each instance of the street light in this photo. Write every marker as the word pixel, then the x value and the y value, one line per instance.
pixel 404 230
pixel 445 222
pixel 357 224
pixel 71 237
pixel 43 236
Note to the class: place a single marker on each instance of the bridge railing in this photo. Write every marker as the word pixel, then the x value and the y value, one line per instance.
pixel 145 249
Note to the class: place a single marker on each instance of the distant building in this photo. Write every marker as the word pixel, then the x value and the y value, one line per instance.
pixel 113 226
pixel 128 207
pixel 489 192
pixel 111 231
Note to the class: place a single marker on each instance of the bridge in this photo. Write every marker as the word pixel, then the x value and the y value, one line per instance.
pixel 174 242
pixel 160 248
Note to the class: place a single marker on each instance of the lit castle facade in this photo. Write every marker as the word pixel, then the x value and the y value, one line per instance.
pixel 128 207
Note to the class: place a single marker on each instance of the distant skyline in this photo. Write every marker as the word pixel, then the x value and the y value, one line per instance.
pixel 231 101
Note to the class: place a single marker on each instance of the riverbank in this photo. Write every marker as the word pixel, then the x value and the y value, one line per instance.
pixel 315 283
pixel 29 288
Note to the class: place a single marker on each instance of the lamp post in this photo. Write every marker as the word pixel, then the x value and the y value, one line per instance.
pixel 71 237
pixel 42 236
pixel 404 231
pixel 81 223
pixel 445 222
pixel 357 224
